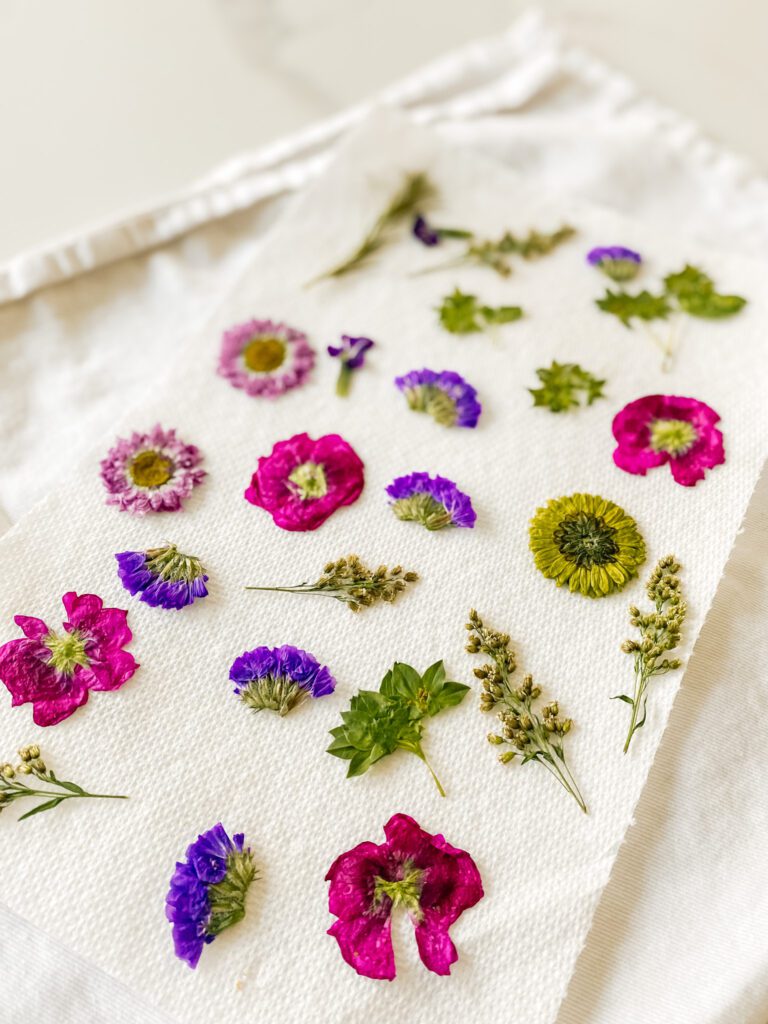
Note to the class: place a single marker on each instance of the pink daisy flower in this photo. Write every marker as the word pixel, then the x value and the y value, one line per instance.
pixel 55 671
pixel 657 429
pixel 152 472
pixel 303 481
pixel 265 358
pixel 432 880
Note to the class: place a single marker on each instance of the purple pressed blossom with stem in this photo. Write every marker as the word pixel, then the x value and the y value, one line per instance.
pixel 435 502
pixel 152 472
pixel 351 354
pixel 659 429
pixel 444 395
pixel 431 880
pixel 617 262
pixel 162 577
pixel 279 678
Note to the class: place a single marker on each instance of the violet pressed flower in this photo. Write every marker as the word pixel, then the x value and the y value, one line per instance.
pixel 446 396
pixel 302 482
pixel 668 428
pixel 432 880
pixel 55 671
pixel 615 261
pixel 279 678
pixel 162 577
pixel 433 501
pixel 265 358
pixel 208 891
pixel 153 472
pixel 351 354
pixel 425 233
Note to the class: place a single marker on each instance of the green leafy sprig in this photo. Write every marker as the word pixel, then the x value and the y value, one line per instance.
pixel 379 722
pixel 349 581
pixel 659 633
pixel 526 733
pixel 12 786
pixel 461 313
pixel 563 384
pixel 496 253
pixel 415 192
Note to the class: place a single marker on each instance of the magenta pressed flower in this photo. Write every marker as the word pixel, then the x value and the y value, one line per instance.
pixel 304 481
pixel 432 880
pixel 265 358
pixel 668 428
pixel 154 472
pixel 54 671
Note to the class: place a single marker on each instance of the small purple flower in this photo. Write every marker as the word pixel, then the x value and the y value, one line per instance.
pixel 615 261
pixel 153 472
pixel 208 891
pixel 426 234
pixel 433 501
pixel 163 577
pixel 279 678
pixel 446 396
pixel 351 353
pixel 668 428
pixel 265 358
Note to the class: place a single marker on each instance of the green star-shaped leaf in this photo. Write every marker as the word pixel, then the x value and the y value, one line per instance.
pixel 461 313
pixel 562 386
pixel 643 306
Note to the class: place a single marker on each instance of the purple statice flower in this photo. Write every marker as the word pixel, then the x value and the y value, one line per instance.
pixel 152 472
pixel 657 429
pixel 425 233
pixel 351 353
pixel 433 501
pixel 279 678
pixel 163 577
pixel 431 880
pixel 615 261
pixel 208 891
pixel 446 396
pixel 265 358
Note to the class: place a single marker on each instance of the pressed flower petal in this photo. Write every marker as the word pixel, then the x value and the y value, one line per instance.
pixel 366 944
pixel 51 712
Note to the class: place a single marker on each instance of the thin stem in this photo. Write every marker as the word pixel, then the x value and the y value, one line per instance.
pixel 416 749
pixel 344 380
pixel 641 684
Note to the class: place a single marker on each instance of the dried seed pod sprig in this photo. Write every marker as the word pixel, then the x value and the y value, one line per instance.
pixel 659 632
pixel 348 580
pixel 12 786
pixel 531 735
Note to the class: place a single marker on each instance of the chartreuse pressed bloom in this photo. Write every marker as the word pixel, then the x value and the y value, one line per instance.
pixel 13 787
pixel 526 733
pixel 208 891
pixel 162 577
pixel 586 542
pixel 659 633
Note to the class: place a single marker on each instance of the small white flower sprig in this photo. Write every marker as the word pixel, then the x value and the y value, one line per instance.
pixel 13 788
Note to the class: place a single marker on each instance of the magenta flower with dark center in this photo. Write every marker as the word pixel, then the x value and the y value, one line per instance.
pixel 302 482
pixel 152 472
pixel 432 880
pixel 265 358
pixel 55 671
pixel 657 429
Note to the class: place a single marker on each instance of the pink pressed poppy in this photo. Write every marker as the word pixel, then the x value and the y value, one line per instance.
pixel 668 428
pixel 431 879
pixel 55 671
pixel 303 481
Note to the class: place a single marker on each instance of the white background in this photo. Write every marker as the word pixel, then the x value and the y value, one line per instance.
pixel 109 104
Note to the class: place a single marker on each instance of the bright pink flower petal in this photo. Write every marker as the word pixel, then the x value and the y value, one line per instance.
pixel 352 876
pixel 26 673
pixel 81 608
pixel 366 945
pixel 112 673
pixel 691 467
pixel 33 628
pixel 50 712
pixel 436 950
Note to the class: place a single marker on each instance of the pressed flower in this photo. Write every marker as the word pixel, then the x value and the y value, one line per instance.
pixel 162 577
pixel 661 429
pixel 265 358
pixel 433 501
pixel 154 472
pixel 208 891
pixel 351 353
pixel 615 261
pixel 586 542
pixel 445 396
pixel 302 482
pixel 349 581
pixel 431 236
pixel 431 880
pixel 54 671
pixel 12 787
pixel 279 678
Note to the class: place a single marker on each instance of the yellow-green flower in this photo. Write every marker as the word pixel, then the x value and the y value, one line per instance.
pixel 587 542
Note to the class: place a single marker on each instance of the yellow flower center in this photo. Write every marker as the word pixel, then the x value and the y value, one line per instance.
pixel 309 481
pixel 262 355
pixel 67 651
pixel 675 437
pixel 404 891
pixel 150 469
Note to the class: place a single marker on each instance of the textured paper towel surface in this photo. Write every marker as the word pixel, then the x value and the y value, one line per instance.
pixel 189 754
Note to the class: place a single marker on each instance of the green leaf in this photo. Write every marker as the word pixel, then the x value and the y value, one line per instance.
pixel 71 786
pixel 434 678
pixel 459 313
pixel 501 315
pixel 449 696
pixel 624 697
pixel 454 233
pixel 712 306
pixel 561 385
pixel 643 306
pixel 688 281
pixel 48 805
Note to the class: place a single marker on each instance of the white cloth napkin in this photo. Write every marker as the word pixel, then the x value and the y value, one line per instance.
pixel 184 748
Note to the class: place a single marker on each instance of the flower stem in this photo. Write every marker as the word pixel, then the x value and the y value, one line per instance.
pixel 641 684
pixel 344 380
pixel 416 749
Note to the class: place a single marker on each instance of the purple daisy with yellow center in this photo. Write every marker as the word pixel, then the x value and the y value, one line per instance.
pixel 265 358
pixel 433 501
pixel 152 472
pixel 444 395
